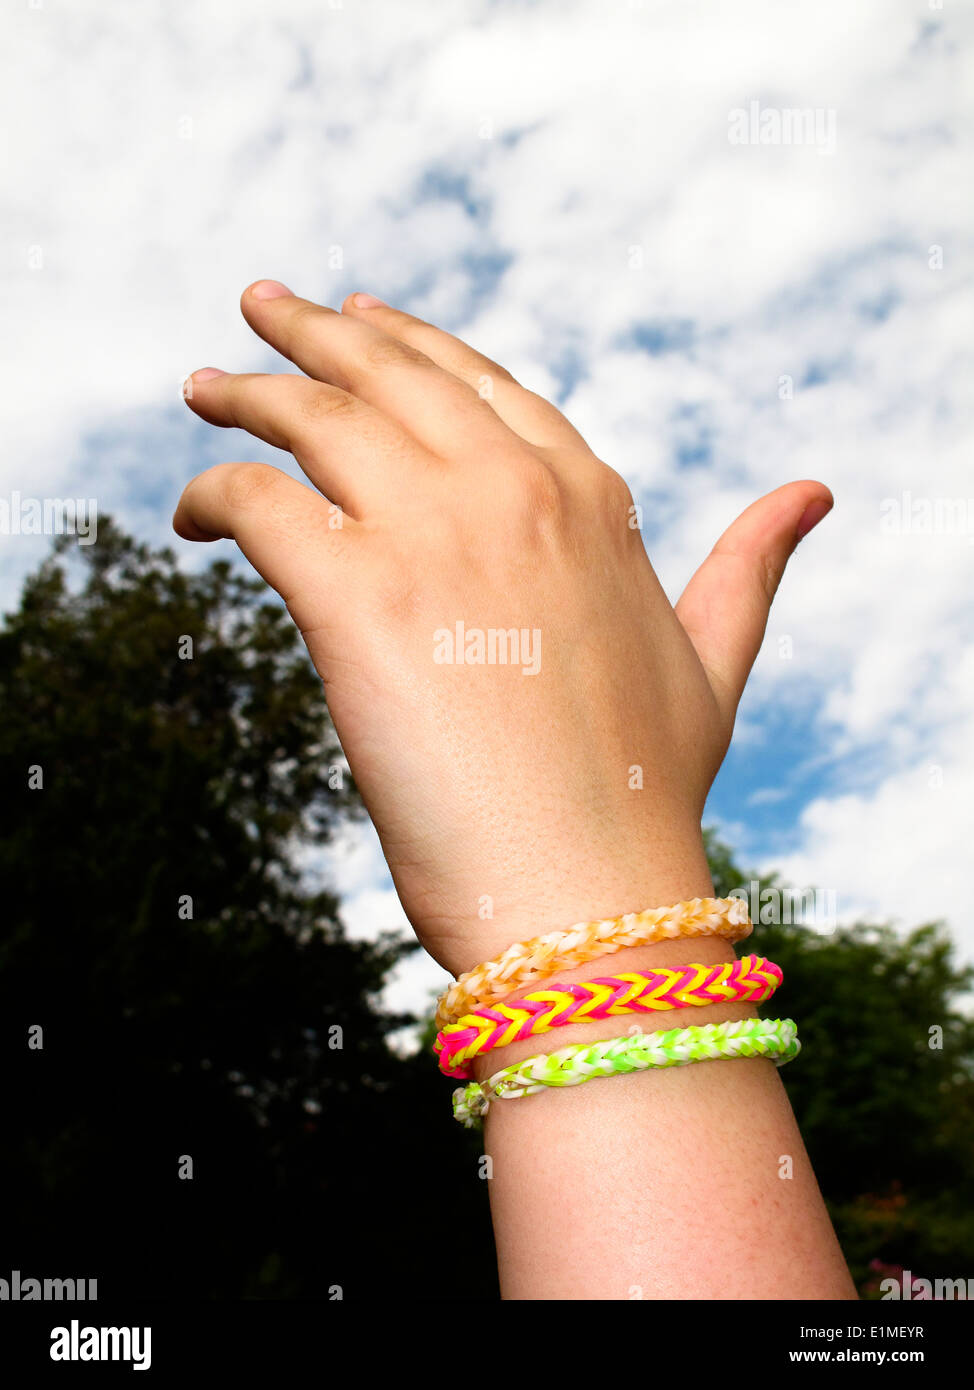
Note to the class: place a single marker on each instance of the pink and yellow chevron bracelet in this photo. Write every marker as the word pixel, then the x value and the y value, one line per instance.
pixel 748 980
pixel 525 962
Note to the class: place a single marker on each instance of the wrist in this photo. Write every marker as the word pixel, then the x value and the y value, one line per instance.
pixel 584 889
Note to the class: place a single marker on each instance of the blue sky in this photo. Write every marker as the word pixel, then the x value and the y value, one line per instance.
pixel 556 183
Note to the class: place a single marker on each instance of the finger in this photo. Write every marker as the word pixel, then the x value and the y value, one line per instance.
pixel 442 413
pixel 290 534
pixel 349 450
pixel 725 606
pixel 532 417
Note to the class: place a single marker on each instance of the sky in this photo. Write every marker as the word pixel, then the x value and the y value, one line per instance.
pixel 616 201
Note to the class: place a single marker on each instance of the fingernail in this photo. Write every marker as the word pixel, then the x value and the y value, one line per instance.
pixel 269 289
pixel 812 515
pixel 207 374
pixel 369 301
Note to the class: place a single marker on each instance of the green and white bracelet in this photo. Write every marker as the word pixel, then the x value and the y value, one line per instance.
pixel 775 1038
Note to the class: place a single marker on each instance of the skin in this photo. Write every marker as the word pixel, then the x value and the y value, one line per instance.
pixel 503 800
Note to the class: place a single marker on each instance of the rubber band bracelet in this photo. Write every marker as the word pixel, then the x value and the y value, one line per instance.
pixel 748 980
pixel 775 1038
pixel 543 956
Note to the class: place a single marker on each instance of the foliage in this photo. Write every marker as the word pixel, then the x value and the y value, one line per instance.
pixel 210 1029
pixel 206 1028
pixel 884 1087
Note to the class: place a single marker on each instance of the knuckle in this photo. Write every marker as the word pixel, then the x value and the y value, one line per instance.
pixel 302 325
pixel 538 493
pixel 320 405
pixel 304 315
pixel 239 390
pixel 393 352
pixel 403 325
pixel 614 487
pixel 606 494
pixel 495 369
pixel 245 483
pixel 769 574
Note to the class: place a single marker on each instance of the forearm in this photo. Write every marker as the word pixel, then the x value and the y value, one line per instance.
pixel 690 1182
pixel 518 790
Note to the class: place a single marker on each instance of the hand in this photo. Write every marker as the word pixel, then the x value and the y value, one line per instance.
pixel 512 798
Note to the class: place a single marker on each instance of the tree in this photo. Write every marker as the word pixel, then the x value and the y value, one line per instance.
pixel 165 751
pixel 168 767
pixel 884 1086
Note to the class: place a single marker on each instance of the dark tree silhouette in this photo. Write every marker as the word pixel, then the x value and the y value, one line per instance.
pixel 197 999
pixel 884 1086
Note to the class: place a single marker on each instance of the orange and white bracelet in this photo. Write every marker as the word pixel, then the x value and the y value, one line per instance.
pixel 526 961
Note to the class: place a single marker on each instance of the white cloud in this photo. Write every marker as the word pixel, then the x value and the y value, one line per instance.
pixel 163 157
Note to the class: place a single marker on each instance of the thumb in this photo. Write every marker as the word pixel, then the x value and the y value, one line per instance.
pixel 725 606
